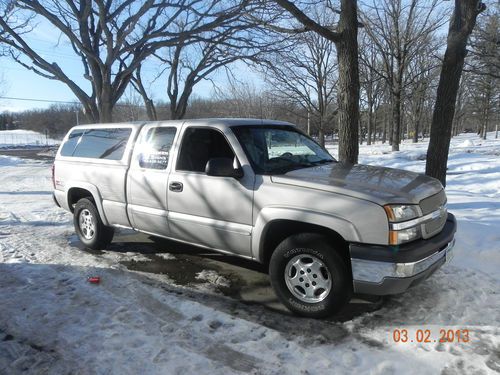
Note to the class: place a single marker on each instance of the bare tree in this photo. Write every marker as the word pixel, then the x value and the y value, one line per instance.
pixel 111 38
pixel 484 53
pixel 462 23
pixel 372 84
pixel 424 70
pixel 463 98
pixel 399 29
pixel 345 37
pixel 243 99
pixel 195 59
pixel 483 63
pixel 483 101
pixel 137 82
pixel 305 76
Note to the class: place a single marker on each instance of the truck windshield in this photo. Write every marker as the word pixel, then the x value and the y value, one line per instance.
pixel 279 149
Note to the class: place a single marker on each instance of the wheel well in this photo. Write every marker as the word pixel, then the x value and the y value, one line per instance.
pixel 278 230
pixel 75 194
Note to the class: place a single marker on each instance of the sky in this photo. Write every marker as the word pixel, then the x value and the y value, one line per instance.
pixel 19 82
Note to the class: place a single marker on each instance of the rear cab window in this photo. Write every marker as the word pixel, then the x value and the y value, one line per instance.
pixel 97 143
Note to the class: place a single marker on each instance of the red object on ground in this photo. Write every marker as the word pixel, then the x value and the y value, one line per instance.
pixel 94 279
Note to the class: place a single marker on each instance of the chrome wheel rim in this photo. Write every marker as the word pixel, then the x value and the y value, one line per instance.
pixel 87 224
pixel 307 278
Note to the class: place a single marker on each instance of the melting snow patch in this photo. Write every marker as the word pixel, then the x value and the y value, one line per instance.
pixel 166 256
pixel 213 277
pixel 136 257
pixel 8 161
pixel 466 143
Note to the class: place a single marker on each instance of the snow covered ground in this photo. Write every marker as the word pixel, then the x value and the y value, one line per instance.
pixel 53 321
pixel 24 138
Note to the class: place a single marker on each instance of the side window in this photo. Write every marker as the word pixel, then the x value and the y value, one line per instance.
pixel 103 143
pixel 69 146
pixel 199 146
pixel 155 148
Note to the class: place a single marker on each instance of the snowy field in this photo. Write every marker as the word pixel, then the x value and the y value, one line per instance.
pixel 53 321
pixel 24 138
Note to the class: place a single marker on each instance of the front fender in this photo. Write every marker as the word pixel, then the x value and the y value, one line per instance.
pixel 269 214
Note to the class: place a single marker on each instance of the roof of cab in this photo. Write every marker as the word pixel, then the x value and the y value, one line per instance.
pixel 235 121
pixel 197 122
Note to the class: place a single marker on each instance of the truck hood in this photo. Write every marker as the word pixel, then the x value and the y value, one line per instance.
pixel 377 184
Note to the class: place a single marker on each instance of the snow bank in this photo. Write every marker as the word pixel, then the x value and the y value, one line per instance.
pixel 10 161
pixel 24 138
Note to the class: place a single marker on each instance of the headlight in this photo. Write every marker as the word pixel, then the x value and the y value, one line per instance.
pixel 397 237
pixel 401 212
pixel 402 226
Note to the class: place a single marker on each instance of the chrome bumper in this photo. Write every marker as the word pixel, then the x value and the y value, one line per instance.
pixel 371 271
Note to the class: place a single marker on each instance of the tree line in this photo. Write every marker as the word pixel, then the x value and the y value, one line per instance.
pixel 360 72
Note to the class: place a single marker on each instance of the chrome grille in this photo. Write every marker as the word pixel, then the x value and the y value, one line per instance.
pixel 431 204
pixel 434 226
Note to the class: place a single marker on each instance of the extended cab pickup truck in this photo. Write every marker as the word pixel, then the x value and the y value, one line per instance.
pixel 262 190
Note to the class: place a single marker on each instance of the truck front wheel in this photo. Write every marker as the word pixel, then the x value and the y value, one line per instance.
pixel 309 277
pixel 89 227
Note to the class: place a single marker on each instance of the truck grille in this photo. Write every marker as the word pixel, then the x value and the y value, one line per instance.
pixel 431 204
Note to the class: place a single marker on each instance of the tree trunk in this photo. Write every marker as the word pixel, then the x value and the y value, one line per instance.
pixel 374 130
pixel 348 84
pixel 458 111
pixel 486 116
pixel 105 99
pixel 321 135
pixel 178 107
pixel 461 24
pixel 396 120
pixel 417 129
pixel 105 111
pixel 384 130
pixel 370 125
pixel 454 125
pixel 484 131
pixel 150 110
pixel 148 102
pixel 418 117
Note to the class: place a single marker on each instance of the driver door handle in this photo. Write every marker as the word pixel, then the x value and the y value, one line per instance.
pixel 175 186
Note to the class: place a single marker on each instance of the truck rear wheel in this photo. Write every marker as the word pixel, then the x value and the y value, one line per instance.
pixel 309 277
pixel 89 227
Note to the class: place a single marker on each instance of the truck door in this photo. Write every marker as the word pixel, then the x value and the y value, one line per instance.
pixel 148 177
pixel 211 211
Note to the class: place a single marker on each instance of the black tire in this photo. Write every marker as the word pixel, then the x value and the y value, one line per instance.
pixel 101 236
pixel 316 248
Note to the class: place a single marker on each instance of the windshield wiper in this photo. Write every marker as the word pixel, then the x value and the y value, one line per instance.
pixel 293 167
pixel 324 161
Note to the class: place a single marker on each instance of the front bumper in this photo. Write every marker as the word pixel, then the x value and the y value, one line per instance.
pixel 382 270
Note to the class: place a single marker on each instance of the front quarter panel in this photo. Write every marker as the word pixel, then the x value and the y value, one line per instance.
pixel 356 220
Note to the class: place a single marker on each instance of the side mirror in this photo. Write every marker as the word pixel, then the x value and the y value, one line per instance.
pixel 223 167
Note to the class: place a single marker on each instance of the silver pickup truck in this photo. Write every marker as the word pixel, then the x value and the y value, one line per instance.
pixel 262 190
